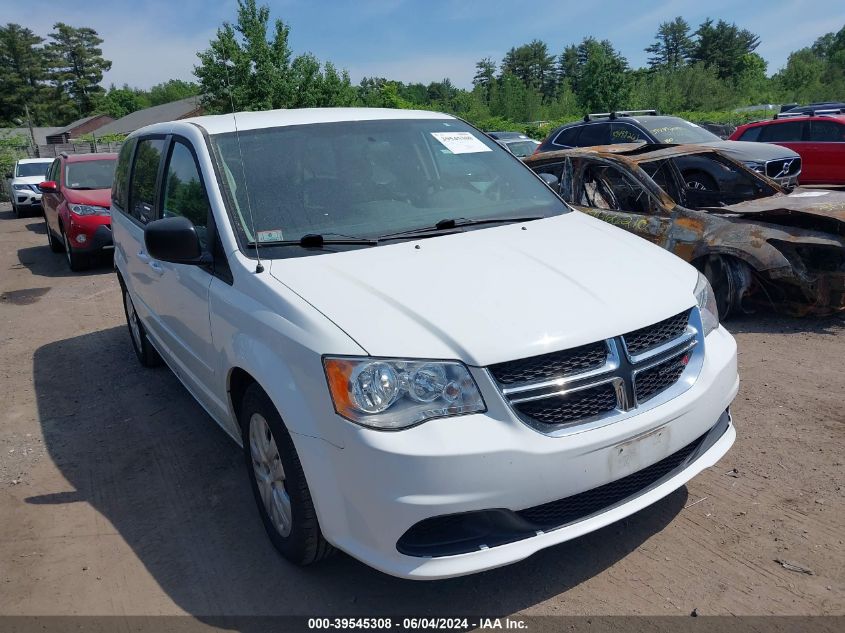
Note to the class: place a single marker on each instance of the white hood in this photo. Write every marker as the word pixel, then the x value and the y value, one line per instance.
pixel 28 180
pixel 495 294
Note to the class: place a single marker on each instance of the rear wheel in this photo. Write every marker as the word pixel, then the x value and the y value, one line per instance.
pixel 278 482
pixel 144 350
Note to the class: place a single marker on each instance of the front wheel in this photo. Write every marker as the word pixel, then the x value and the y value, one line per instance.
pixel 144 350
pixel 55 245
pixel 278 482
pixel 730 279
pixel 700 181
pixel 75 261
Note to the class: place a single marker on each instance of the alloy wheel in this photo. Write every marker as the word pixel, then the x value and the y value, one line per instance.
pixel 269 474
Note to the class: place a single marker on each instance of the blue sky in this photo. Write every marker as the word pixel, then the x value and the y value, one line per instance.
pixel 150 41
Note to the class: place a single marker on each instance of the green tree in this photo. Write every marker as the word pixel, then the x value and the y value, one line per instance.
pixel 337 88
pixel 77 64
pixel 172 90
pixel 485 75
pixel 723 46
pixel 672 45
pixel 533 65
pixel 23 72
pixel 118 102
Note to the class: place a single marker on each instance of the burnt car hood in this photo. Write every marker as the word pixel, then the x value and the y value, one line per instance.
pixel 801 202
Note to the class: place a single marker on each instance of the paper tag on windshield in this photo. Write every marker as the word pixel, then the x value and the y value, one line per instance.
pixel 274 235
pixel 460 142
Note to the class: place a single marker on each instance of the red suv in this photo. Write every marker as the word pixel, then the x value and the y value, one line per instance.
pixel 76 199
pixel 819 138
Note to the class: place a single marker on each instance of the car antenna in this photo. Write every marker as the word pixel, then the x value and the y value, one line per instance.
pixel 259 267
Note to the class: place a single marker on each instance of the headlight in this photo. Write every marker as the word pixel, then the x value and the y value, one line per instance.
pixel 706 304
pixel 394 393
pixel 88 209
pixel 21 187
pixel 755 166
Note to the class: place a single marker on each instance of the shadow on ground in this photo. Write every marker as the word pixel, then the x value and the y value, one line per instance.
pixel 134 445
pixel 43 262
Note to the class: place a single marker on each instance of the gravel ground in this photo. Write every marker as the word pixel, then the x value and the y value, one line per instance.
pixel 118 495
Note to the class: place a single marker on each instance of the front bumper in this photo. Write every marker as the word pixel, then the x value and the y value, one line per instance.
pixel 369 493
pixel 97 238
pixel 26 198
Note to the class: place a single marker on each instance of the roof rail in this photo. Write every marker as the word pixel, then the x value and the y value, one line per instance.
pixel 618 113
pixel 819 112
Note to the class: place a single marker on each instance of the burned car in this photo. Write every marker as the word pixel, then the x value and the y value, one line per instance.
pixel 756 243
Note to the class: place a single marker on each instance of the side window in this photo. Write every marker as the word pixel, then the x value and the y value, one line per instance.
pixel 184 193
pixel 594 134
pixel 625 133
pixel 605 187
pixel 568 137
pixel 142 188
pixel 827 132
pixel 120 189
pixel 752 133
pixel 788 131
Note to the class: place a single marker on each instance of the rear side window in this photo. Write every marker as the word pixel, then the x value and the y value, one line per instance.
pixel 827 132
pixel 789 131
pixel 184 193
pixel 595 134
pixel 120 188
pixel 142 187
pixel 568 137
pixel 751 134
pixel 53 171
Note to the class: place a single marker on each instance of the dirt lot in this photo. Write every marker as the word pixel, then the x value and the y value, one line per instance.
pixel 118 495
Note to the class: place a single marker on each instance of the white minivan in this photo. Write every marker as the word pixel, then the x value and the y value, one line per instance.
pixel 431 362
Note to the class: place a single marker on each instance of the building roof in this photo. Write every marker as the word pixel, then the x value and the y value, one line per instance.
pixel 72 126
pixel 157 114
pixel 40 133
pixel 221 123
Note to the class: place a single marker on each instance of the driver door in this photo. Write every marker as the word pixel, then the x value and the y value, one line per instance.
pixel 607 193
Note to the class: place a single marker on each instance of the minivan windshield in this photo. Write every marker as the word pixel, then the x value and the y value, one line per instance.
pixel 670 129
pixel 90 174
pixel 366 179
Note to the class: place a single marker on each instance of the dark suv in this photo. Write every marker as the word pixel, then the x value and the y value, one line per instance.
pixel 778 163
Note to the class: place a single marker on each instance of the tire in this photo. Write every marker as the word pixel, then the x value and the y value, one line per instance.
pixel 55 245
pixel 144 350
pixel 700 181
pixel 730 279
pixel 16 209
pixel 75 261
pixel 278 482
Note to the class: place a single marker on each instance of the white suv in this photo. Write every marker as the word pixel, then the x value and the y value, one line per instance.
pixel 432 363
pixel 22 183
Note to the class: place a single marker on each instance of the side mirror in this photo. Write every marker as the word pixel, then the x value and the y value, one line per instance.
pixel 550 179
pixel 174 240
pixel 48 186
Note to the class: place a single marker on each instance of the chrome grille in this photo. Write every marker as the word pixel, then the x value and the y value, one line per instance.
pixel 571 407
pixel 564 363
pixel 783 167
pixel 568 391
pixel 647 338
pixel 656 379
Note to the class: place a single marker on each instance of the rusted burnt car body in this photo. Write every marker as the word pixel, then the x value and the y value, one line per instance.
pixel 755 242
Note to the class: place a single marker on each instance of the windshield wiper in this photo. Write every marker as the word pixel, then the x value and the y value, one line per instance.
pixel 315 240
pixel 449 225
